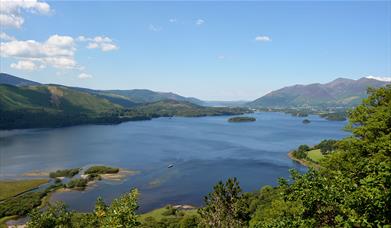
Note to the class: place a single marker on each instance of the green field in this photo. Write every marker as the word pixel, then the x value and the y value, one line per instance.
pixel 15 187
pixel 158 214
pixel 315 155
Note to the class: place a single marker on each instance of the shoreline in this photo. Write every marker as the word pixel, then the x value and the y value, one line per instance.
pixel 303 162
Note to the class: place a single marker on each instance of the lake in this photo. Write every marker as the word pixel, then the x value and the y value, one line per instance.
pixel 203 151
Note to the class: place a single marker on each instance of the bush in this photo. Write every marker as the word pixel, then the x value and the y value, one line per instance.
pixel 100 169
pixel 327 146
pixel 80 183
pixel 64 173
pixel 170 210
pixel 21 205
pixel 93 176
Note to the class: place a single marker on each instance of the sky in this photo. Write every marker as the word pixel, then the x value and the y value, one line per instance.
pixel 212 50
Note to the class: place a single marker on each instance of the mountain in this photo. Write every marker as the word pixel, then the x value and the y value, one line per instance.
pixel 341 92
pixel 149 96
pixel 52 98
pixel 112 97
pixel 53 106
pixel 39 106
pixel 125 98
pixel 15 81
pixel 183 108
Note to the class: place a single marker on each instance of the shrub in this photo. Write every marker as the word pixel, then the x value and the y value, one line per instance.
pixel 100 169
pixel 80 183
pixel 64 173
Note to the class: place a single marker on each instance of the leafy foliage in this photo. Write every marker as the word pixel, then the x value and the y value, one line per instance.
pixel 79 183
pixel 353 187
pixel 121 213
pixel 301 152
pixel 54 216
pixel 20 205
pixel 100 169
pixel 327 146
pixel 64 173
pixel 225 206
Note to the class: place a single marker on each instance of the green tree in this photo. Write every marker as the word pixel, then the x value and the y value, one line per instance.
pixel 327 146
pixel 55 215
pixel 121 212
pixel 225 206
pixel 189 221
pixel 352 189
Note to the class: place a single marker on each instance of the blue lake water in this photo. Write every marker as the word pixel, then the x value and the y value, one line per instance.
pixel 203 151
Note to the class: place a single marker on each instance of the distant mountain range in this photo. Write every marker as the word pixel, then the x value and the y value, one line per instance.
pixel 15 81
pixel 28 104
pixel 126 98
pixel 341 92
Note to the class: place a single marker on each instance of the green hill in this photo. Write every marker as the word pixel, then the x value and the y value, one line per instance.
pixel 51 97
pixel 183 108
pixel 149 96
pixel 52 106
pixel 341 92
pixel 57 106
pixel 15 81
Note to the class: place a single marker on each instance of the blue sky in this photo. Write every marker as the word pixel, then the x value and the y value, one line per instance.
pixel 208 50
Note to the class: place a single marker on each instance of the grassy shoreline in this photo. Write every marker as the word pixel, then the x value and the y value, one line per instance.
pixel 12 188
pixel 303 162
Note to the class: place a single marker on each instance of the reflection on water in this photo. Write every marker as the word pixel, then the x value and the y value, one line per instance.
pixel 202 150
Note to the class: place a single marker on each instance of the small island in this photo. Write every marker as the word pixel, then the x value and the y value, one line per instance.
pixel 306 121
pixel 239 119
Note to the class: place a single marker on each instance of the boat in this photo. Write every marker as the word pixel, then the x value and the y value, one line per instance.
pixel 170 166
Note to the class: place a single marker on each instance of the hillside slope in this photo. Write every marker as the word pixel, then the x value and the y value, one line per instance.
pixel 182 108
pixel 125 98
pixel 52 106
pixel 341 92
pixel 149 96
pixel 15 81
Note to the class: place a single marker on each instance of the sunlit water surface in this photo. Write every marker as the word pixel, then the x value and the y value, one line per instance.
pixel 203 151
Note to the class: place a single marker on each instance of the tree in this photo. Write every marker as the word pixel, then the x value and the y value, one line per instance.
pixel 352 189
pixel 327 146
pixel 225 206
pixel 121 212
pixel 190 221
pixel 55 215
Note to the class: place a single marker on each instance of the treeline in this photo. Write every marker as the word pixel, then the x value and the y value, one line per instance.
pixel 27 118
pixel 332 115
pixel 351 189
pixel 326 147
pixel 45 118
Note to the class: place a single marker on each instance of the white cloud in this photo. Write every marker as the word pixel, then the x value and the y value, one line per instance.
pixel 154 28
pixel 11 11
pixel 108 47
pixel 92 45
pixel 199 22
pixel 384 79
pixel 221 57
pixel 6 37
pixel 104 43
pixel 173 20
pixel 85 76
pixel 24 65
pixel 57 51
pixel 263 39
